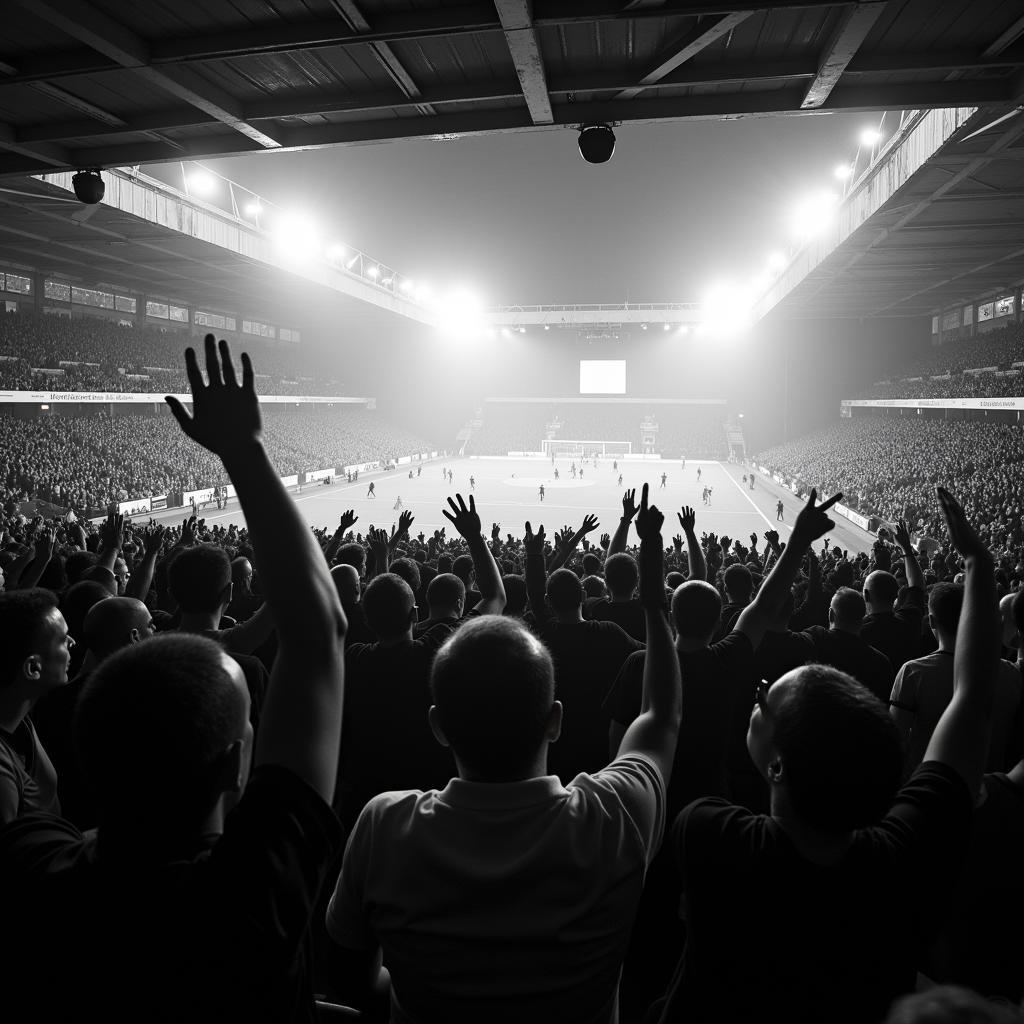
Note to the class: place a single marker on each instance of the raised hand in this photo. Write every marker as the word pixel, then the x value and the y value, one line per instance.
pixel 534 542
pixel 590 524
pixel 677 542
pixel 496 531
pixel 687 519
pixel 188 531
pixel 464 519
pixel 649 519
pixel 225 415
pixel 563 537
pixel 772 536
pixel 154 539
pixel 605 541
pixel 726 543
pixel 813 521
pixel 44 541
pixel 629 508
pixel 347 520
pixel 405 520
pixel 903 535
pixel 964 537
pixel 753 540
pixel 112 531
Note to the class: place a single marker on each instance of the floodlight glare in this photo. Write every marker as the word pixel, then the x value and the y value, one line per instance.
pixel 202 183
pixel 667 327
pixel 387 282
pixel 726 308
pixel 296 236
pixel 776 261
pixel 461 313
pixel 870 137
pixel 843 171
pixel 522 330
pixel 813 215
pixel 597 143
pixel 253 209
pixel 407 284
pixel 373 271
pixel 336 252
pixel 352 262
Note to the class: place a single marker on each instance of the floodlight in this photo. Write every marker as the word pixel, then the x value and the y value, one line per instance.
pixel 296 235
pixel 776 261
pixel 253 209
pixel 201 183
pixel 813 214
pixel 336 252
pixel 666 327
pixel 870 137
pixel 373 271
pixel 88 186
pixel 407 284
pixel 843 171
pixel 597 143
pixel 643 327
pixel 683 329
pixel 547 327
pixel 352 262
pixel 726 308
pixel 387 282
pixel 461 313
pixel 522 330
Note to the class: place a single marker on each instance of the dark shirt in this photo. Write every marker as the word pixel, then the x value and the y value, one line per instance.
pixel 981 946
pixel 53 716
pixel 897 634
pixel 358 631
pixel 717 682
pixel 852 655
pixel 386 740
pixel 587 657
pixel 217 935
pixel 627 614
pixel 773 937
pixel 779 653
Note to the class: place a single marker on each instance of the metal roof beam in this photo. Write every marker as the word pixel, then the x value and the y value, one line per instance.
pixel 516 17
pixel 854 25
pixel 683 48
pixel 47 155
pixel 95 29
pixel 1005 39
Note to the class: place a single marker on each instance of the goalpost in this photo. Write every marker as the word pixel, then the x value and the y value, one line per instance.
pixel 560 448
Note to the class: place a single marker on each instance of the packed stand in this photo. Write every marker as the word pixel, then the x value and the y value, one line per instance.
pixel 941 372
pixel 889 465
pixel 59 353
pixel 87 462
pixel 500 774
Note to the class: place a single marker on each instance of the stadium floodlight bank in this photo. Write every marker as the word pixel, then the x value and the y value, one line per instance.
pixel 584 449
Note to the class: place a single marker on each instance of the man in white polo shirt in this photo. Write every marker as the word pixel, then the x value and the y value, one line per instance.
pixel 508 897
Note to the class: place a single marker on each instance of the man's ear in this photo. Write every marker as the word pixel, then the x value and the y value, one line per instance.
pixel 32 667
pixel 133 636
pixel 553 728
pixel 434 718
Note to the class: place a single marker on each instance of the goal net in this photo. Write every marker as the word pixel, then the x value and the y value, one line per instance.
pixel 560 448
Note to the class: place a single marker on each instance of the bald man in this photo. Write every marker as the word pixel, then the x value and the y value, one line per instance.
pixel 896 632
pixel 109 626
pixel 349 588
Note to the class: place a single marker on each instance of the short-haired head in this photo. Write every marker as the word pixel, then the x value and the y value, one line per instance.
pixel 444 562
pixel 515 594
pixel 116 623
pixel 463 568
pixel 24 618
pixel 352 554
pixel 831 744
pixel 77 562
pixel 77 602
pixel 591 564
pixel 408 570
pixel 564 590
pixel 446 595
pixel 593 586
pixel 200 579
pixel 621 574
pixel 696 610
pixel 176 709
pixel 241 572
pixel 389 605
pixel 493 687
pixel 847 610
pixel 739 584
pixel 881 590
pixel 346 582
pixel 945 602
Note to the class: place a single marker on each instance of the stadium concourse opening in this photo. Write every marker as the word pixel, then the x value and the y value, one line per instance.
pixel 547 546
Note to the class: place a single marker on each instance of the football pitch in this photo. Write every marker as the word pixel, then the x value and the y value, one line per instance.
pixel 507 491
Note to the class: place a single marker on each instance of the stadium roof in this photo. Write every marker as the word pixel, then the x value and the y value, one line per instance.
pixel 937 221
pixel 108 83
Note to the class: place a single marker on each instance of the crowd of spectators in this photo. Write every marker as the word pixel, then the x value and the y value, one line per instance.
pixel 888 467
pixel 941 372
pixel 691 430
pixel 578 776
pixel 60 353
pixel 87 462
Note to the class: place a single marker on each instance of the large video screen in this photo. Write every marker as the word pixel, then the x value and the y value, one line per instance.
pixel 602 376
